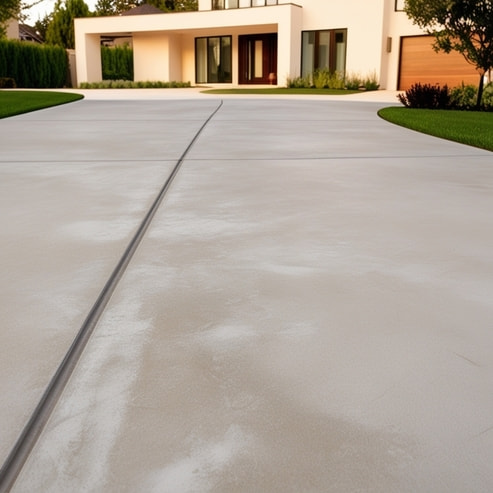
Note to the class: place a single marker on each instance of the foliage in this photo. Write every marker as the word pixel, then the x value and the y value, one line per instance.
pixel 465 26
pixel 128 84
pixel 464 97
pixel 353 81
pixel 60 30
pixel 115 7
pixel 370 82
pixel 7 83
pixel 299 82
pixel 174 5
pixel 327 79
pixel 285 91
pixel 41 25
pixel 426 96
pixel 473 128
pixel 32 65
pixel 18 102
pixel 117 62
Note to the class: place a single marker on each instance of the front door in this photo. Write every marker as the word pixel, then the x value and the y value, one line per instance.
pixel 258 59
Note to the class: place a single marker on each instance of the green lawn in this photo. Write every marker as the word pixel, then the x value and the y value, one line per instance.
pixel 474 128
pixel 282 90
pixel 17 102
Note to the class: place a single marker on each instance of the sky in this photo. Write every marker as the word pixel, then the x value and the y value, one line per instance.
pixel 46 7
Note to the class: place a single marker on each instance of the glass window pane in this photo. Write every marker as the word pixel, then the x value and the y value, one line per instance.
pixel 308 53
pixel 258 59
pixel 201 60
pixel 218 4
pixel 323 49
pixel 245 3
pixel 225 73
pixel 258 3
pixel 340 62
pixel 231 4
pixel 213 59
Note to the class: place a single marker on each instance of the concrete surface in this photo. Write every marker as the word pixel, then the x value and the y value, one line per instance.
pixel 309 311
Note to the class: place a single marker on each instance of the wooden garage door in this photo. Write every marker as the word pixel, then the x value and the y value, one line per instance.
pixel 419 63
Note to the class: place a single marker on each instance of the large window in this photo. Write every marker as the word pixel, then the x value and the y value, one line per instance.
pixel 323 50
pixel 213 59
pixel 239 4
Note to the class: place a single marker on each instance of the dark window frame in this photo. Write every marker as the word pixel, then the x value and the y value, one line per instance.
pixel 399 5
pixel 230 79
pixel 220 4
pixel 333 33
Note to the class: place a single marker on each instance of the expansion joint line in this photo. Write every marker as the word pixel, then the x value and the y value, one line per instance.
pixel 34 427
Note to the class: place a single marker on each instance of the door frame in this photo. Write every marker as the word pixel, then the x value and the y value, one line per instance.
pixel 246 58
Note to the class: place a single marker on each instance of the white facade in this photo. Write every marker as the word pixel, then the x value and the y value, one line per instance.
pixel 359 36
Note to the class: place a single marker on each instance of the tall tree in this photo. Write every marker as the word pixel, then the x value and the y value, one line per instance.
pixel 60 30
pixel 465 26
pixel 105 7
pixel 41 25
pixel 114 7
pixel 175 5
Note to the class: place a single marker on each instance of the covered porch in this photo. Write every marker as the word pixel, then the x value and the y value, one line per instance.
pixel 229 46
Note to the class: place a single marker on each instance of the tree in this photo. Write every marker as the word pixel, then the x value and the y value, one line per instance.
pixel 465 26
pixel 41 25
pixel 174 5
pixel 115 7
pixel 105 7
pixel 60 30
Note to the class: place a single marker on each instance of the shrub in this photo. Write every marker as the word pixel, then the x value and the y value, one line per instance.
pixel 299 83
pixel 34 66
pixel 353 81
pixel 128 84
pixel 117 62
pixel 487 100
pixel 7 83
pixel 426 96
pixel 370 83
pixel 464 97
pixel 327 79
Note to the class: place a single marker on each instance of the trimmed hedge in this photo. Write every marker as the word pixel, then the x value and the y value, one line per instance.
pixel 117 62
pixel 33 66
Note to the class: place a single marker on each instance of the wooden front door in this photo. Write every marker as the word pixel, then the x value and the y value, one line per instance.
pixel 257 59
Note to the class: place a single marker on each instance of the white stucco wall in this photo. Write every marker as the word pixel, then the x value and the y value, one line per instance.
pixel 157 56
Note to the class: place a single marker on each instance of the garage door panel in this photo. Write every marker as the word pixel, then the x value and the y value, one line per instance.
pixel 420 63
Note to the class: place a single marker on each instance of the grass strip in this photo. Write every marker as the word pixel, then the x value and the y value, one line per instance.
pixel 283 91
pixel 15 102
pixel 474 128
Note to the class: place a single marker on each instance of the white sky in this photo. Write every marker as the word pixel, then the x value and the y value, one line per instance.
pixel 46 7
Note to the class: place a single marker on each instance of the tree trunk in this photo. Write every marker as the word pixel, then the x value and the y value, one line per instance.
pixel 480 91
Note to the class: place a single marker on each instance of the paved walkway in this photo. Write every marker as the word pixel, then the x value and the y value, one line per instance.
pixel 310 309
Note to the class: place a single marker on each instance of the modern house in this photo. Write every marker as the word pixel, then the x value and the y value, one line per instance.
pixel 237 42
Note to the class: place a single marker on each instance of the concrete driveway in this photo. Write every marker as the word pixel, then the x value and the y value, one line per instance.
pixel 310 309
